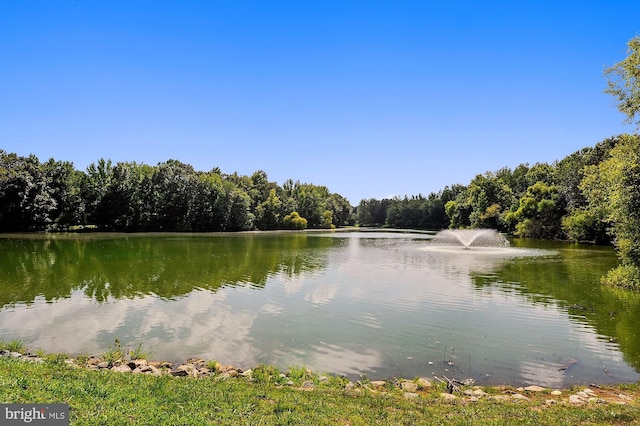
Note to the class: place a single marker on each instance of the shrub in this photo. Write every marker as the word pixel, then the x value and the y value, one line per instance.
pixel 625 276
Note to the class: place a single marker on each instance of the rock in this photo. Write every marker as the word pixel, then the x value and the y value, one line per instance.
pixel 625 397
pixel 556 393
pixel 178 373
pixel 468 382
pixel 190 369
pixel 550 402
pixel 475 392
pixel 535 388
pixel 124 368
pixel 500 397
pixel 519 396
pixel 378 383
pixel 196 361
pixel 93 361
pixel 308 384
pixel 103 364
pixel 448 396
pixel 424 383
pixel 247 373
pixel 408 386
pixel 289 383
pixel 411 395
pixel 144 369
pixel 576 399
pixel 349 386
pixel 161 364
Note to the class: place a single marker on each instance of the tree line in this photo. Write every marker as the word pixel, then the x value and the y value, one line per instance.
pixel 170 196
pixel 546 201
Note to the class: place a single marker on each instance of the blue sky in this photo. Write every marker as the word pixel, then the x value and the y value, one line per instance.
pixel 370 98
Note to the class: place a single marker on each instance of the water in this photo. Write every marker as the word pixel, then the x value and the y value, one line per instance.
pixel 468 238
pixel 379 304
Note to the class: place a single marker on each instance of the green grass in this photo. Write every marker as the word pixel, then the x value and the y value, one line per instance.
pixel 108 398
pixel 15 345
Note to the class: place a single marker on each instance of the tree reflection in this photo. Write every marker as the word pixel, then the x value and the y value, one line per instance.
pixel 571 281
pixel 164 265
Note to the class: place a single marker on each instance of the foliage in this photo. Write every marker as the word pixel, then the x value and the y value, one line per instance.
pixel 409 212
pixel 327 220
pixel 539 213
pixel 115 354
pixel 26 200
pixel 625 276
pixel 581 225
pixel 170 196
pixel 138 353
pixel 372 212
pixel 294 221
pixel 613 190
pixel 624 82
pixel 269 212
pixel 14 345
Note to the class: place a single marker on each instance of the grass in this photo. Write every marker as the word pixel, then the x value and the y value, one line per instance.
pixel 273 398
pixel 15 345
pixel 108 398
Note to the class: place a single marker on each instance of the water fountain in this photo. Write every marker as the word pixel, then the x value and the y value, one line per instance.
pixel 468 238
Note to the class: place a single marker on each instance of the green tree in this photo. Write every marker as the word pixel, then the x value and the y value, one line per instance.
pixel 208 207
pixel 372 212
pixel 623 82
pixel 539 213
pixel 295 221
pixel 327 220
pixel 269 212
pixel 341 210
pixel 613 190
pixel 581 222
pixel 129 198
pixel 26 198
pixel 173 189
pixel 64 184
pixel 238 215
pixel 94 187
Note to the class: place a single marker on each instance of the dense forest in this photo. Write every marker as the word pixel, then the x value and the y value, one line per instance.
pixel 171 196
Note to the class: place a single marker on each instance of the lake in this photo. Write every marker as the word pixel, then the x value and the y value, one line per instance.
pixel 375 304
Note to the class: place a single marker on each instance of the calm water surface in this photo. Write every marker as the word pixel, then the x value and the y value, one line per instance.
pixel 378 304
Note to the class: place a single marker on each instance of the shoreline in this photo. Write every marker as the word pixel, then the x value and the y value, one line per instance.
pixel 304 379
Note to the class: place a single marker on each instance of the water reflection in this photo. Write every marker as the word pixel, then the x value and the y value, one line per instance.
pixel 570 282
pixel 348 303
pixel 166 266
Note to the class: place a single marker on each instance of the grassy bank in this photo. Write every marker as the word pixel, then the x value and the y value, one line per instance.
pixel 109 398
